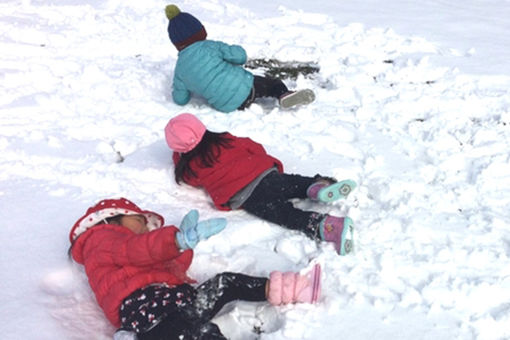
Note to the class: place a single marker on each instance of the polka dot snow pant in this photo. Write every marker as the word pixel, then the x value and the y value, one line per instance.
pixel 160 312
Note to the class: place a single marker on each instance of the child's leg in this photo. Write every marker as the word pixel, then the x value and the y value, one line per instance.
pixel 189 330
pixel 285 214
pixel 269 87
pixel 164 313
pixel 284 186
pixel 183 312
pixel 264 87
pixel 215 293
pixel 158 312
pixel 270 201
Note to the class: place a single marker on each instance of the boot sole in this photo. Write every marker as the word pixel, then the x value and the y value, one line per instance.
pixel 347 244
pixel 301 97
pixel 336 191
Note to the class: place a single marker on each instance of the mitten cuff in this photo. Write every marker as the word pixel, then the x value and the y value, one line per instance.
pixel 181 240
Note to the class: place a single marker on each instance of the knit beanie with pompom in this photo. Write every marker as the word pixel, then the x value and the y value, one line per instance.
pixel 183 28
pixel 184 132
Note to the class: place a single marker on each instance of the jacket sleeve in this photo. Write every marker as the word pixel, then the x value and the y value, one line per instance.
pixel 234 54
pixel 138 249
pixel 180 93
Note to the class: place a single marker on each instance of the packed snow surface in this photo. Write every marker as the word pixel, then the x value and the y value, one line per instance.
pixel 412 102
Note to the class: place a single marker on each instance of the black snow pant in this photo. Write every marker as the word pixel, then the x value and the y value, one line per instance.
pixel 265 87
pixel 159 312
pixel 271 201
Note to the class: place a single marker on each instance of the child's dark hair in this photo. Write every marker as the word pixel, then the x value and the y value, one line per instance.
pixel 109 220
pixel 207 151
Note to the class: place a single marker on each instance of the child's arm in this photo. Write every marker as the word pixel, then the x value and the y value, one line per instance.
pixel 138 249
pixel 234 54
pixel 180 93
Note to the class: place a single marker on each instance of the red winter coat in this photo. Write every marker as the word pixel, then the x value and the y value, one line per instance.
pixel 118 261
pixel 234 168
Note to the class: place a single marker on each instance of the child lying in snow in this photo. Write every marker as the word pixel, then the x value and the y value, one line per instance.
pixel 238 173
pixel 214 70
pixel 137 270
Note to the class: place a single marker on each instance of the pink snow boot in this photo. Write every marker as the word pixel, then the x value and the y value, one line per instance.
pixel 289 287
pixel 327 190
pixel 336 230
pixel 295 98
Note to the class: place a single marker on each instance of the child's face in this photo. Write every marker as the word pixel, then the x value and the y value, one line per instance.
pixel 135 223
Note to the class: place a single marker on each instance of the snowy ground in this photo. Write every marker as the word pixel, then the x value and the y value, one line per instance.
pixel 418 123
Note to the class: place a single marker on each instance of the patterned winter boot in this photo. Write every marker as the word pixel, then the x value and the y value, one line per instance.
pixel 289 287
pixel 327 189
pixel 338 230
pixel 295 98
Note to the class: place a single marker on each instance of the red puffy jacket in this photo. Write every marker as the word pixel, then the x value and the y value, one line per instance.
pixel 234 168
pixel 118 261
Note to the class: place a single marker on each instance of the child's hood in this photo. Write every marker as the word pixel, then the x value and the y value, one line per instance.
pixel 109 208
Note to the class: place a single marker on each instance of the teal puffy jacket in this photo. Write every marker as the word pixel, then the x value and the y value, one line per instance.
pixel 213 70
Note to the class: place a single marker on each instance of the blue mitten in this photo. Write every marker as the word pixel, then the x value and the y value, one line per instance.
pixel 192 231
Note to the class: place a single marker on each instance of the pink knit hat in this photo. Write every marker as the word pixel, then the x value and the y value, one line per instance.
pixel 184 132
